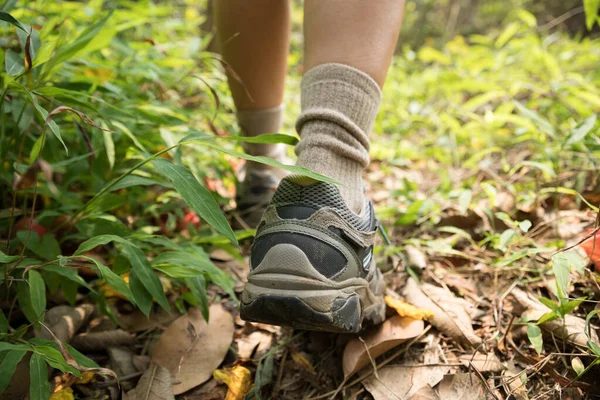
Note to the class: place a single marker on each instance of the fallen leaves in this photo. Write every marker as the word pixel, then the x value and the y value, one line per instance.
pixel 238 379
pixel 403 381
pixel 380 339
pixel 449 312
pixel 461 387
pixel 155 384
pixel 482 362
pixel 190 349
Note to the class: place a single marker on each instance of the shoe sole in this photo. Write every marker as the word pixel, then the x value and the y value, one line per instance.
pixel 285 289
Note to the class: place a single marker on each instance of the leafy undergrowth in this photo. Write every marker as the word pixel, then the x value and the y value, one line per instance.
pixel 119 152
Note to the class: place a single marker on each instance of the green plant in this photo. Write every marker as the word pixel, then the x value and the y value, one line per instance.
pixel 94 142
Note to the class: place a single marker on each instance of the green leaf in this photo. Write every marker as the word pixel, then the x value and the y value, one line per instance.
pixel 8 367
pixel 199 262
pixel 46 247
pixel 37 147
pixel 548 303
pixel 569 306
pixel 4 16
pixel 505 238
pixel 593 346
pixel 43 114
pixel 550 316
pixel 591 12
pixel 50 353
pixel 579 133
pixel 68 273
pixel 98 241
pixel 143 299
pixel 510 31
pixel 197 286
pixel 269 161
pixel 577 365
pixel 109 145
pixel 528 18
pixel 142 269
pixel 534 333
pixel 4 259
pixel 37 293
pixel 525 225
pixel 4 346
pixel 25 302
pixel 264 372
pixel 13 63
pixel 113 280
pixel 588 320
pixel 266 138
pixel 542 123
pixel 39 388
pixel 135 180
pixel 3 323
pixel 66 52
pixel 561 266
pixel 196 196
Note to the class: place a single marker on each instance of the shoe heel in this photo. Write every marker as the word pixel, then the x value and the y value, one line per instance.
pixel 344 316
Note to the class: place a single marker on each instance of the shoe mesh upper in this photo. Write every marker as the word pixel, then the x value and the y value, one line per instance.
pixel 318 195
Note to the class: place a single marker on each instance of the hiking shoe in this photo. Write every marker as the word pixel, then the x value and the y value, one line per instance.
pixel 254 193
pixel 311 264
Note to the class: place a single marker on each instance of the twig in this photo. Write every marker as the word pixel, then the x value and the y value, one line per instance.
pixel 562 18
pixel 280 373
pixel 370 358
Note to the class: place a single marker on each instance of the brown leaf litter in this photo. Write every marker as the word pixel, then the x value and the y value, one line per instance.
pixel 190 349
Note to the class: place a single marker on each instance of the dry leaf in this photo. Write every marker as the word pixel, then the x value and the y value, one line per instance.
pixel 378 340
pixel 238 379
pixel 211 390
pixel 155 384
pixel 415 257
pixel 461 387
pixel 141 363
pixel 96 341
pixel 572 329
pixel 86 377
pixel 191 350
pixel 449 313
pixel 513 385
pixel 407 310
pixel 258 340
pixel 302 361
pixel 425 393
pixel 482 362
pixel 63 394
pixel 402 382
pixel 136 321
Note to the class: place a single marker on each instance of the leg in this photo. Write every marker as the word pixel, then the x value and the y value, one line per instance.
pixel 253 37
pixel 312 259
pixel 339 103
pixel 361 34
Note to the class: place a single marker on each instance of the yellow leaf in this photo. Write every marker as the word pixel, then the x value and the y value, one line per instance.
pixel 86 377
pixel 64 394
pixel 408 310
pixel 238 379
pixel 109 292
pixel 302 361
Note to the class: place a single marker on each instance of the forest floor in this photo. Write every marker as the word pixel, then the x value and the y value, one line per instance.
pixel 484 173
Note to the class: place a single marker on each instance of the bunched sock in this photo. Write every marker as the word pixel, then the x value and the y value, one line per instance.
pixel 339 106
